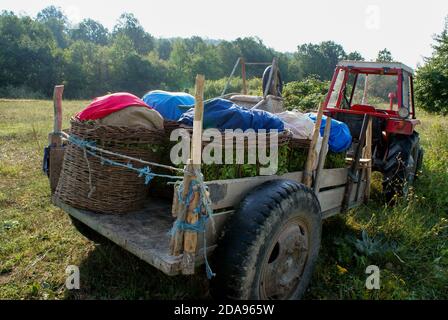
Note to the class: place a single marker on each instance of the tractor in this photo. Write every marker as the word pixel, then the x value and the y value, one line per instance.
pixel 383 91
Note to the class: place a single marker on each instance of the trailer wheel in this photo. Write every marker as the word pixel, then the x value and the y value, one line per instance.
pixel 402 165
pixel 270 245
pixel 88 232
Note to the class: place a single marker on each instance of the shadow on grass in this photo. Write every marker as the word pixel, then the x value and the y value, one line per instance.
pixel 109 272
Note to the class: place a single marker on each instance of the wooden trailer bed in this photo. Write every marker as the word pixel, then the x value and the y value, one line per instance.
pixel 146 233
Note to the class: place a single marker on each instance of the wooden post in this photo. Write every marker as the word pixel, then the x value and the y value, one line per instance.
pixel 274 74
pixel 188 239
pixel 307 172
pixel 55 139
pixel 243 75
pixel 196 148
pixel 322 155
pixel 353 172
pixel 368 155
pixel 177 239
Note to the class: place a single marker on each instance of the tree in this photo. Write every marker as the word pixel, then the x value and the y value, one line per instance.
pixel 384 56
pixel 306 94
pixel 129 26
pixel 90 31
pixel 431 87
pixel 57 22
pixel 318 59
pixel 27 54
pixel 164 48
pixel 254 50
pixel 355 56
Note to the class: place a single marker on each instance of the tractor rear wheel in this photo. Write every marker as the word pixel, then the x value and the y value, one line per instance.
pixel 403 161
pixel 270 245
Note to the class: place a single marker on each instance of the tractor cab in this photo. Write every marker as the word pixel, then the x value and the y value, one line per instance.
pixel 383 90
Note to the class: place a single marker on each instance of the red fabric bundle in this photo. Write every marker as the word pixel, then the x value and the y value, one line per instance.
pixel 105 105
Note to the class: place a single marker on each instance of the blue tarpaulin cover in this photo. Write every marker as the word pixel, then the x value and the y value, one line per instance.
pixel 167 103
pixel 340 137
pixel 224 114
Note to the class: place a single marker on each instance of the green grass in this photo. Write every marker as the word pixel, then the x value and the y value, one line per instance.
pixel 37 241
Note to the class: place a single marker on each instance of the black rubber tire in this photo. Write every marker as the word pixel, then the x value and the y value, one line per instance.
pixel 249 233
pixel 88 232
pixel 401 166
pixel 419 164
pixel 265 79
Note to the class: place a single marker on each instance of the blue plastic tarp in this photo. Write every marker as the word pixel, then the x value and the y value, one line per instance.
pixel 224 114
pixel 168 103
pixel 340 137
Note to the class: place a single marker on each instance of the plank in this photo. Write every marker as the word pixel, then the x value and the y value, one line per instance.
pixel 309 164
pixel 228 193
pixel 333 198
pixel 333 177
pixel 144 233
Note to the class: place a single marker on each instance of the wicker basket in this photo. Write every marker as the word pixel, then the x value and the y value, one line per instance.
pixel 86 183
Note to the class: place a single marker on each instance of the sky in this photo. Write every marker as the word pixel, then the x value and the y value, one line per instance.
pixel 406 28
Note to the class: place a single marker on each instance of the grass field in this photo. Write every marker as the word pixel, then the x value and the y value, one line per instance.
pixel 37 241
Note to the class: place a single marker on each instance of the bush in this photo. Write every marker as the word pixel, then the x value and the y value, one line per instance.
pixel 431 85
pixel 213 88
pixel 306 94
pixel 21 92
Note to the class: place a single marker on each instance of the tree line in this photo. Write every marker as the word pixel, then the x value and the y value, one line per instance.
pixel 36 53
pixel 90 60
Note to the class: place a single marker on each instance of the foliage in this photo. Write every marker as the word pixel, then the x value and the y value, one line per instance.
pixel 320 59
pixel 90 30
pixel 91 60
pixel 306 94
pixel 384 56
pixel 214 88
pixel 431 87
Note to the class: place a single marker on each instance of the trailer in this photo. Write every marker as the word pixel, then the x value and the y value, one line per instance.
pixel 264 236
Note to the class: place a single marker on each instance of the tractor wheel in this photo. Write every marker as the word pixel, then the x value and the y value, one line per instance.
pixel 270 245
pixel 401 165
pixel 419 164
pixel 88 232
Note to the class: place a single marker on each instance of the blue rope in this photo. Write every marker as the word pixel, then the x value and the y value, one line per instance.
pixel 142 172
pixel 199 225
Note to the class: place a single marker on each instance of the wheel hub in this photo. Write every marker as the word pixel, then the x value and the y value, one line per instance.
pixel 282 271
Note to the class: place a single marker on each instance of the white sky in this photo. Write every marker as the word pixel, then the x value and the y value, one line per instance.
pixel 404 27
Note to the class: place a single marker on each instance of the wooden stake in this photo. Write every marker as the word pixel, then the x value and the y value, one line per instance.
pixel 177 239
pixel 322 155
pixel 243 75
pixel 368 155
pixel 196 148
pixel 191 237
pixel 307 172
pixel 55 139
pixel 353 172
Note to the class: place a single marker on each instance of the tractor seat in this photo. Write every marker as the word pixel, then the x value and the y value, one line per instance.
pixel 363 108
